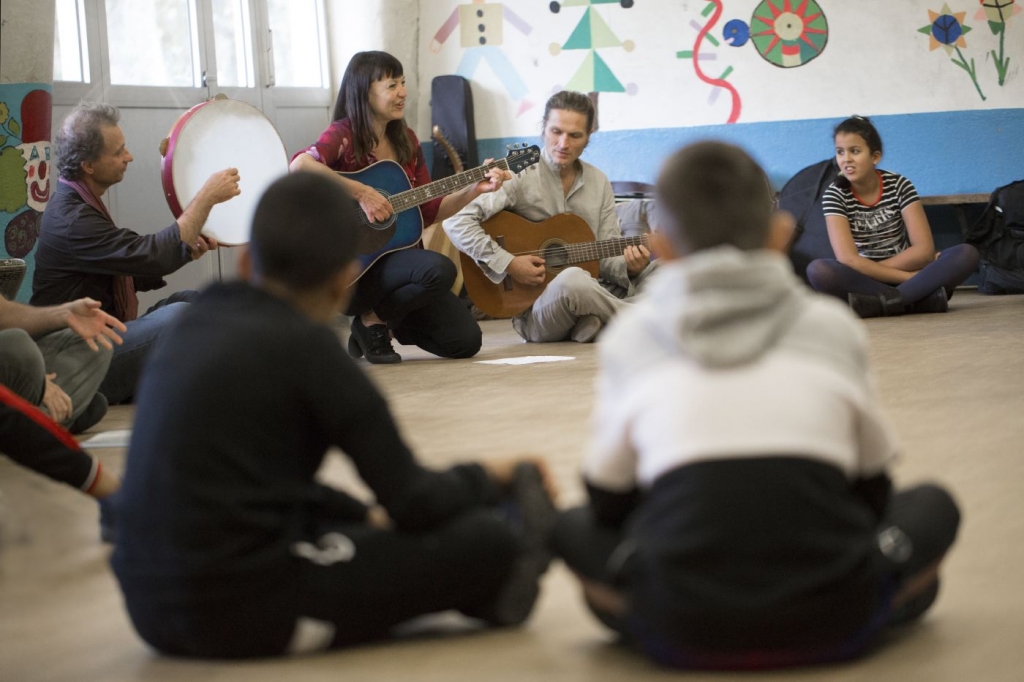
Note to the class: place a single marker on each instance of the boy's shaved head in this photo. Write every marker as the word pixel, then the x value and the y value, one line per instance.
pixel 713 193
pixel 303 231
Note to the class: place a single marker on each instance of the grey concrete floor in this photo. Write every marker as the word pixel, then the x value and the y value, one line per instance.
pixel 953 385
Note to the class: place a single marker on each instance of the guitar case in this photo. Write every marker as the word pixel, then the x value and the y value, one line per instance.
pixel 451 109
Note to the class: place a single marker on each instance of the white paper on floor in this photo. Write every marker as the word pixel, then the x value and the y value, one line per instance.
pixel 109 439
pixel 527 360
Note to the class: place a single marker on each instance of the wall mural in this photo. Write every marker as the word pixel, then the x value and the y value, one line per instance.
pixel 997 13
pixel 481 26
pixel 948 30
pixel 592 32
pixel 786 34
pixel 780 52
pixel 25 170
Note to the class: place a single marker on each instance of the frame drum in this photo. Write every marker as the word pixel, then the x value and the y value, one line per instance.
pixel 213 136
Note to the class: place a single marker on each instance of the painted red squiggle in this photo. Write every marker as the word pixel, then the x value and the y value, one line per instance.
pixel 719 82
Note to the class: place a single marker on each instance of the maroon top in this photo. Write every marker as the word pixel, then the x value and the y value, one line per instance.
pixel 327 150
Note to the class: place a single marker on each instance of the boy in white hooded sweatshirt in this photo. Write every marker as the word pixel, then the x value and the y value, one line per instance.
pixel 740 512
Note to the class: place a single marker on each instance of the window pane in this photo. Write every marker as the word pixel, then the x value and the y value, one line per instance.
pixel 70 50
pixel 295 27
pixel 152 42
pixel 231 38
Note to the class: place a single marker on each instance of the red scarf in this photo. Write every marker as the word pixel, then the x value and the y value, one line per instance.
pixel 126 303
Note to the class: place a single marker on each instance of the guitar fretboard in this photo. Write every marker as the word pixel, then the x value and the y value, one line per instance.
pixel 444 186
pixel 607 248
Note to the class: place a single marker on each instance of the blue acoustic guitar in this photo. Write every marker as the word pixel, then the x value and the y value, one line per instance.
pixel 405 226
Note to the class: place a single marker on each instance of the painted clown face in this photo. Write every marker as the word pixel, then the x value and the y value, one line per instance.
pixel 37 172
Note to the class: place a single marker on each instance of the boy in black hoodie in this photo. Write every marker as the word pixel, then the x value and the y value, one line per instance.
pixel 226 544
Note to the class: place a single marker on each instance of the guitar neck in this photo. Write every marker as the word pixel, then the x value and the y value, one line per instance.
pixel 607 248
pixel 444 186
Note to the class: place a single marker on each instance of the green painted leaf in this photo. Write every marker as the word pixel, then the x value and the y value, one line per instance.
pixel 996 27
pixel 15 128
pixel 3 140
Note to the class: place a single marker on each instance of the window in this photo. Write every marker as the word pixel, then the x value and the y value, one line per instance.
pixel 70 47
pixel 298 43
pixel 153 42
pixel 233 43
pixel 167 52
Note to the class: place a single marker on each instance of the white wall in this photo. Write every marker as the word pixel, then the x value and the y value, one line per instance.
pixel 875 61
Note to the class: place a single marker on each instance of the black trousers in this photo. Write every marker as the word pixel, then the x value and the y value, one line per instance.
pixel 346 585
pixel 411 291
pixel 919 527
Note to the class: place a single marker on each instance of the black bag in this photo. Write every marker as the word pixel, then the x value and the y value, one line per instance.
pixel 801 196
pixel 999 237
pixel 451 110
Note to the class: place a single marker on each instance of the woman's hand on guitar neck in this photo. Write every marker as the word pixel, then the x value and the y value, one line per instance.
pixel 527 270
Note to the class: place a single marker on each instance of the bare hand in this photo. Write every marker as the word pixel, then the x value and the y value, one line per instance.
pixel 374 205
pixel 377 517
pixel 435 46
pixel 637 258
pixel 502 471
pixel 493 179
pixel 527 270
pixel 87 320
pixel 56 401
pixel 107 483
pixel 221 186
pixel 202 245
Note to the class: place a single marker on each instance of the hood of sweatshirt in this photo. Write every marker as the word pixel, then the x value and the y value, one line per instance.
pixel 725 307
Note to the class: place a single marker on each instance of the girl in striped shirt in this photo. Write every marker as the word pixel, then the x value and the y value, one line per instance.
pixel 885 263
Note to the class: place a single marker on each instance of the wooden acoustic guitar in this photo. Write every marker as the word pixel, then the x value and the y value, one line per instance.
pixel 562 241
pixel 405 226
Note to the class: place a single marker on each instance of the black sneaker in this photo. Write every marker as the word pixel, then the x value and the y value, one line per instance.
pixel 91 416
pixel 374 342
pixel 534 520
pixel 935 302
pixel 877 305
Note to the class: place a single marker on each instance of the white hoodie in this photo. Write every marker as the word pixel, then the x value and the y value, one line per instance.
pixel 728 355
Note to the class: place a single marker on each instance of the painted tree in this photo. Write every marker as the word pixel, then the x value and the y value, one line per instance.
pixel 592 33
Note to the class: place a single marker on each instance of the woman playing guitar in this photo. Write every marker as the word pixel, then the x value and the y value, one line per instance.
pixel 405 294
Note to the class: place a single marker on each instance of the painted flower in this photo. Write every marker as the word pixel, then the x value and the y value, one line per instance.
pixel 946 30
pixel 4 112
pixel 997 11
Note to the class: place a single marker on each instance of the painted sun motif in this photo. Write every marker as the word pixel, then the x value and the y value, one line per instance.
pixel 789 33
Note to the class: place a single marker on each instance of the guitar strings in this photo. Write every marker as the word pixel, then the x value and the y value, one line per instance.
pixel 582 252
pixel 420 195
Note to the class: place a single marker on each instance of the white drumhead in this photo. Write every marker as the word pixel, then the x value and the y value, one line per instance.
pixel 227 134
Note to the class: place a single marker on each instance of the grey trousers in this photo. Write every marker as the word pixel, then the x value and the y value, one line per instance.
pixel 568 297
pixel 24 364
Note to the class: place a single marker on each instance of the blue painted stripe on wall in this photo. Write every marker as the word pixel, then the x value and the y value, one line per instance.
pixel 954 152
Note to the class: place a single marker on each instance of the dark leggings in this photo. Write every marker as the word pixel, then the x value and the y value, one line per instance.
pixel 919 526
pixel 345 585
pixel 952 267
pixel 411 291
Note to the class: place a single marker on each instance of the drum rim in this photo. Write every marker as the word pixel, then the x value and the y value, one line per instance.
pixel 167 160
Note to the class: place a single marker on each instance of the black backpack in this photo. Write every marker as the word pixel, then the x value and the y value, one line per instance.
pixel 999 237
pixel 801 196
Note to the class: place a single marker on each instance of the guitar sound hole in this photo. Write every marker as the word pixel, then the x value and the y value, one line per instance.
pixel 556 256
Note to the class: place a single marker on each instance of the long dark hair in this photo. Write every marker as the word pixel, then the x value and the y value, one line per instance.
pixel 353 103
pixel 858 125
